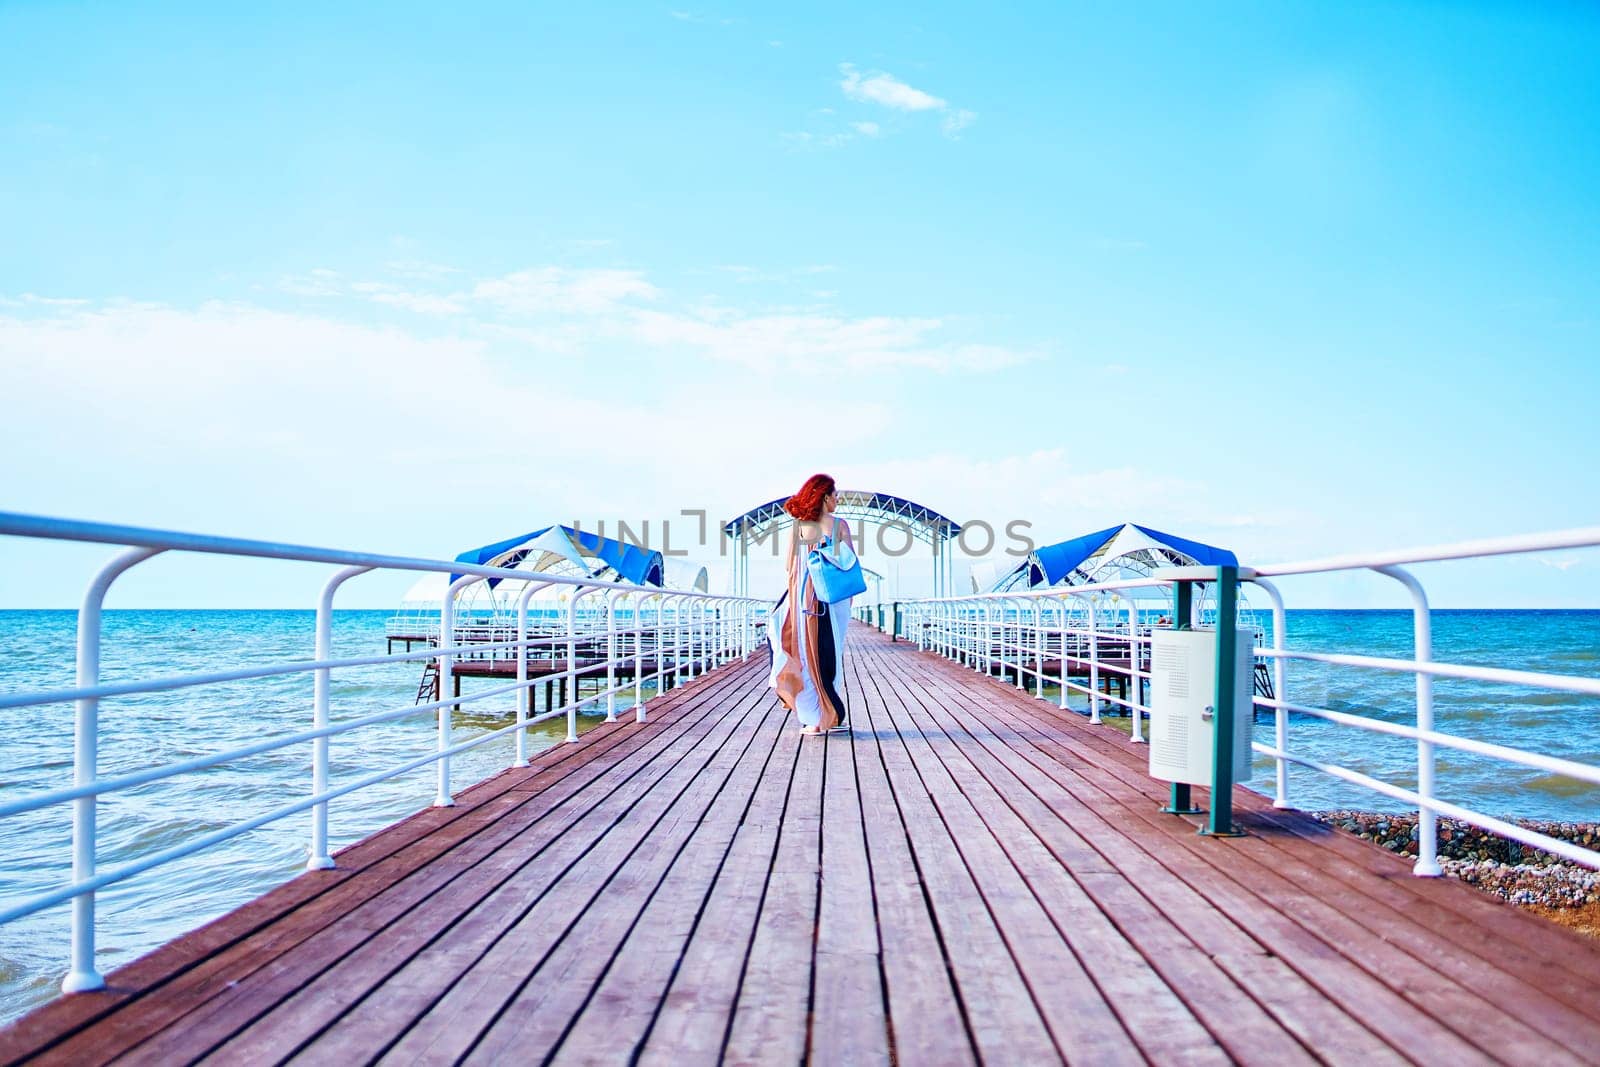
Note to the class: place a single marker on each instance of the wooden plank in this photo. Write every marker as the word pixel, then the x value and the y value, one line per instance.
pixel 400 969
pixel 610 1027
pixel 1438 971
pixel 926 1019
pixel 240 1000
pixel 849 1021
pixel 1005 1023
pixel 1206 867
pixel 1529 946
pixel 771 1014
pixel 1299 1014
pixel 1080 1020
pixel 692 1022
pixel 607 912
pixel 1153 1015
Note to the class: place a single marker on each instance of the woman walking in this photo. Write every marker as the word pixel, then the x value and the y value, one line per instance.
pixel 807 635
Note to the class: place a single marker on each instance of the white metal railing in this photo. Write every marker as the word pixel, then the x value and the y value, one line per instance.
pixel 656 636
pixel 1018 634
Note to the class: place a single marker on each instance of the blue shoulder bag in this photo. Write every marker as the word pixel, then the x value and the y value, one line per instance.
pixel 835 575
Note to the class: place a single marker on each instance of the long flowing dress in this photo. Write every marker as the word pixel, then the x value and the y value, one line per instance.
pixel 808 646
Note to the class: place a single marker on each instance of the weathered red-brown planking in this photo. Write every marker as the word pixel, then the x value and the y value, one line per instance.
pixel 971 875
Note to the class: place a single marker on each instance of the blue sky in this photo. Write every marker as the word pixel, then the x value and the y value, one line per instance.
pixel 1294 278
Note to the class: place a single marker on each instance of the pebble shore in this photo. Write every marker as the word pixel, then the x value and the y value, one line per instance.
pixel 1531 878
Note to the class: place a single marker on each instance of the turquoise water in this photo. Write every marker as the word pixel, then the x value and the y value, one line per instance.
pixel 142 731
pixel 157 728
pixel 1539 720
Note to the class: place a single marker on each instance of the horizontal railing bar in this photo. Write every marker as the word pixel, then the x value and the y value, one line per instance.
pixel 1565 682
pixel 1536 760
pixel 167 683
pixel 156 774
pixel 1564 849
pixel 1584 537
pixel 21 525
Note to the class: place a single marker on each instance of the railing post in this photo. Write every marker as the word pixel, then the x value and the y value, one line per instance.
pixel 986 657
pixel 1137 728
pixel 1019 649
pixel 447 640
pixel 572 665
pixel 318 858
pixel 611 654
pixel 520 746
pixel 638 663
pixel 1038 648
pixel 1061 616
pixel 680 642
pixel 1220 824
pixel 1280 722
pixel 1427 865
pixel 82 976
pixel 1094 664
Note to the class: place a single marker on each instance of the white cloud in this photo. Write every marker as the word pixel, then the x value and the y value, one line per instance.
pixel 553 309
pixel 1562 565
pixel 420 270
pixel 957 120
pixel 878 87
pixel 885 89
pixel 421 303
pixel 563 290
pixel 232 418
pixel 776 343
pixel 318 282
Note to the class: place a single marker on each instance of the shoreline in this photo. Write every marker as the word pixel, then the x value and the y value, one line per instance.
pixel 1564 892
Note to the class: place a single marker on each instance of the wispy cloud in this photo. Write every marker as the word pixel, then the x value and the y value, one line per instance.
pixel 395 296
pixel 957 120
pixel 702 19
pixel 885 90
pixel 1562 565
pixel 564 291
pixel 569 310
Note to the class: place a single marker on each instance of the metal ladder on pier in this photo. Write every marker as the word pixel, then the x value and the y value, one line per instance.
pixel 428 688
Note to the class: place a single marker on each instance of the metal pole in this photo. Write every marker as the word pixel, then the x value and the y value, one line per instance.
pixel 1221 822
pixel 572 666
pixel 1094 664
pixel 447 639
pixel 1427 865
pixel 81 974
pixel 1137 735
pixel 318 858
pixel 611 654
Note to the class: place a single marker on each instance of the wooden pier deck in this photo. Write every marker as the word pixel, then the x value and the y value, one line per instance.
pixel 972 877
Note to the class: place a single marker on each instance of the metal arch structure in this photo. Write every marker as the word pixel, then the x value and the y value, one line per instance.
pixel 920 521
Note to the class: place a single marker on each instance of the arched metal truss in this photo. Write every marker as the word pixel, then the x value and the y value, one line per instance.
pixel 922 523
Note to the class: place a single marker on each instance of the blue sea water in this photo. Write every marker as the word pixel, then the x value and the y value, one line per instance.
pixel 157 728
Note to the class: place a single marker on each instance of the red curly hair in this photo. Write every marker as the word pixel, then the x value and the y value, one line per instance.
pixel 806 505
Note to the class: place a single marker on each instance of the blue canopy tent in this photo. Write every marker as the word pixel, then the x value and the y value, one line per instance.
pixel 1123 549
pixel 628 562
